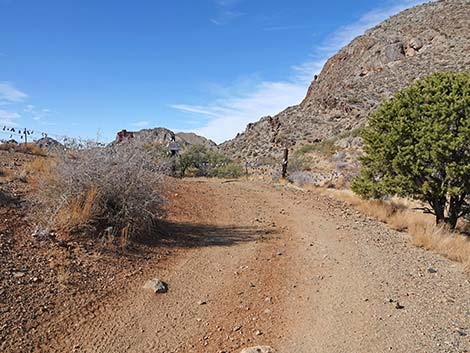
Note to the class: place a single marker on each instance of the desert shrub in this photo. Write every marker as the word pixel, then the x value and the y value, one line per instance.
pixel 298 162
pixel 416 145
pixel 198 160
pixel 339 157
pixel 29 148
pixel 301 178
pixel 100 191
pixel 230 170
pixel 325 147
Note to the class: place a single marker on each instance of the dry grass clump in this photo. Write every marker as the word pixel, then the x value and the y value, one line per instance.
pixel 29 148
pixel 40 170
pixel 440 239
pixel 103 192
pixel 398 213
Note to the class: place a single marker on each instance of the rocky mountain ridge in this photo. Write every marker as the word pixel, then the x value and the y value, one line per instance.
pixel 163 136
pixel 387 58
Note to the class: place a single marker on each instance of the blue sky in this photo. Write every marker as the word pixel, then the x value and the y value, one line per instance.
pixel 88 67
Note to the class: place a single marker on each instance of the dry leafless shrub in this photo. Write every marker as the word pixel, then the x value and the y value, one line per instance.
pixel 301 178
pixel 103 192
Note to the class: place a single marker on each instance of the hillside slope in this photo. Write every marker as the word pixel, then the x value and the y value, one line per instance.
pixel 162 136
pixel 387 58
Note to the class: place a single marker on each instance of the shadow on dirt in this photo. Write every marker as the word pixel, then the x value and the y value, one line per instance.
pixel 8 201
pixel 190 235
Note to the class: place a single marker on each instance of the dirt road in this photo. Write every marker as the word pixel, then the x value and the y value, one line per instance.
pixel 271 265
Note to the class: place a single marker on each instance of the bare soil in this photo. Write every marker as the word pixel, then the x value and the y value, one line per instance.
pixel 247 263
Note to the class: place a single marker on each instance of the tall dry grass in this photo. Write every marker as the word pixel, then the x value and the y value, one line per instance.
pixel 79 211
pixel 39 170
pixel 453 245
pixel 400 215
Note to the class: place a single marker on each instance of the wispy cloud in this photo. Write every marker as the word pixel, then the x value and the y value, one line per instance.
pixel 226 116
pixel 7 118
pixel 226 12
pixel 345 34
pixel 37 114
pixel 229 114
pixel 142 123
pixel 9 94
pixel 194 109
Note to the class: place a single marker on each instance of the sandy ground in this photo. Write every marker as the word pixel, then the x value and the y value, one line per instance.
pixel 258 264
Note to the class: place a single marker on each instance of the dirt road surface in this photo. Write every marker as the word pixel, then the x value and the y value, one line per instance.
pixel 260 264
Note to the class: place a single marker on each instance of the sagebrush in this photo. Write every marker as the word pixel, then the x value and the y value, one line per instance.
pixel 102 191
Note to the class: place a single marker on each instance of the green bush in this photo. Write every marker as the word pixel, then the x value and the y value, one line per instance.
pixel 231 170
pixel 417 145
pixel 198 160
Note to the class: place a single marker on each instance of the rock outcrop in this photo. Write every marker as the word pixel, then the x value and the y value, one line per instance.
pixel 164 136
pixel 387 58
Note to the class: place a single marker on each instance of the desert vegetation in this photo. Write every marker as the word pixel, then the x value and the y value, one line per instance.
pixel 402 215
pixel 416 145
pixel 113 192
pixel 198 160
pixel 30 148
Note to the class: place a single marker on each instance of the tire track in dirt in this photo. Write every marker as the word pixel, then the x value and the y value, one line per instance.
pixel 273 265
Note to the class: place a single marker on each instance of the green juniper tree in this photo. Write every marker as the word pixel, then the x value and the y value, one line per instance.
pixel 418 145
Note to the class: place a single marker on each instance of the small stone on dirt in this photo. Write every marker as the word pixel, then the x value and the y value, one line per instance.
pixel 158 286
pixel 399 306
pixel 432 270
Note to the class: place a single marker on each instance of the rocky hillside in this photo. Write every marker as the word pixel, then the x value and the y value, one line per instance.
pixel 164 136
pixel 387 58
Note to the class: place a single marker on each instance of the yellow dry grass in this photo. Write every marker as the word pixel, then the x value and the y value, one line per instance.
pixel 79 212
pixel 398 213
pixel 453 245
pixel 41 169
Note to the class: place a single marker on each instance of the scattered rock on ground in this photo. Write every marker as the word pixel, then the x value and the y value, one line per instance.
pixel 158 286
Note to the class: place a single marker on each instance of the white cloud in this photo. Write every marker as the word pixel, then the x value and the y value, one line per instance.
pixel 142 123
pixel 226 116
pixel 226 12
pixel 226 16
pixel 194 109
pixel 9 94
pixel 345 34
pixel 8 115
pixel 29 108
pixel 6 118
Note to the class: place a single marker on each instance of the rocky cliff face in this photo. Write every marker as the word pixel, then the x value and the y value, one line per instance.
pixel 164 136
pixel 387 58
